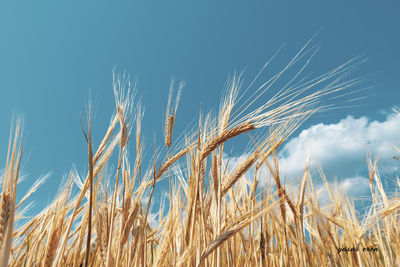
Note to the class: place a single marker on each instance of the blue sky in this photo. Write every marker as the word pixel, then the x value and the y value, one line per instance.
pixel 53 53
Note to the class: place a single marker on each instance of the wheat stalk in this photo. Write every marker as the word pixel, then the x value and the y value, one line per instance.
pixel 214 218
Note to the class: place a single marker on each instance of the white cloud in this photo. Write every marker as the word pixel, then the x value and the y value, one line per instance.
pixel 341 150
pixel 355 187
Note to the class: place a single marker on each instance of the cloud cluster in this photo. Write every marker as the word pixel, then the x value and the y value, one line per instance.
pixel 341 150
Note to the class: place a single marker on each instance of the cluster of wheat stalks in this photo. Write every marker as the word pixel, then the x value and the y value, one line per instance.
pixel 215 216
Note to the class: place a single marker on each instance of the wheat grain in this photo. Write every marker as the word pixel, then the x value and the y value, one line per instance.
pixel 170 128
pixel 5 214
pixel 225 136
pixel 240 170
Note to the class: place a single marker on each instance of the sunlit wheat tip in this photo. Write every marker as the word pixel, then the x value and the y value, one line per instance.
pixel 170 128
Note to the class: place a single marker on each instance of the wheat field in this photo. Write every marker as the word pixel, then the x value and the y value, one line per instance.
pixel 212 215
